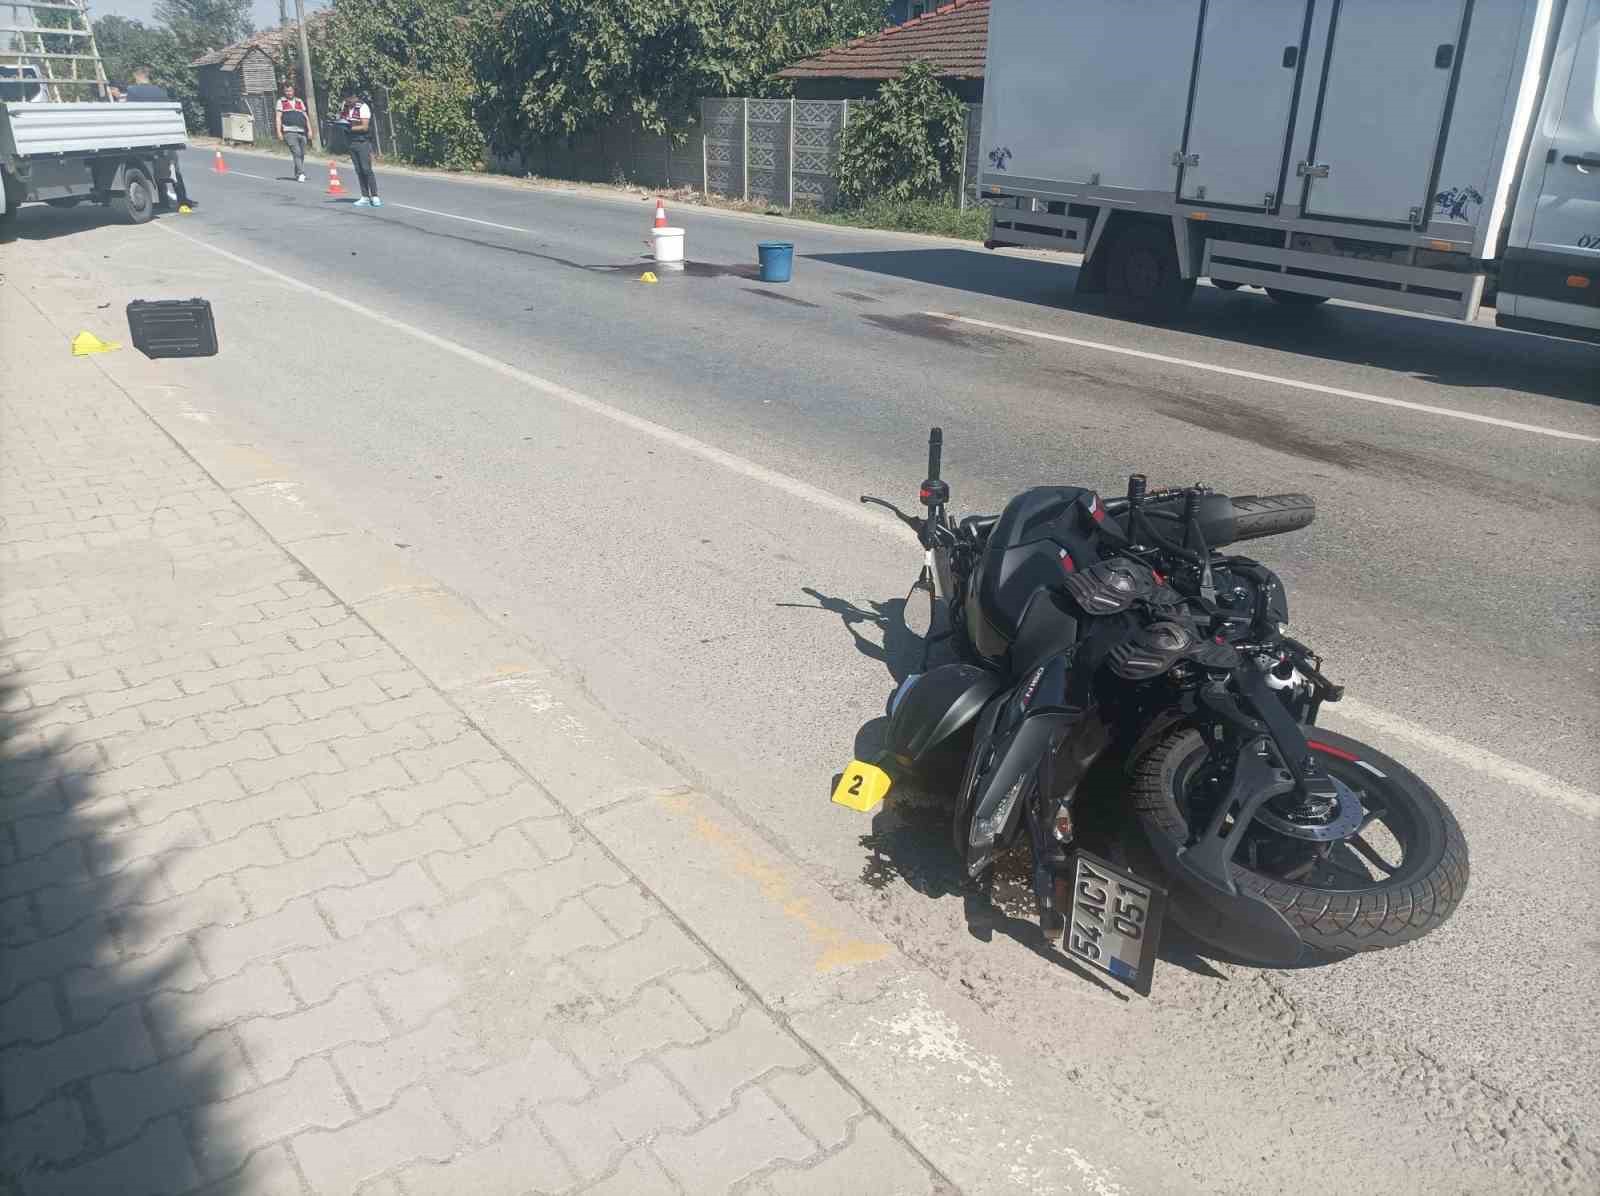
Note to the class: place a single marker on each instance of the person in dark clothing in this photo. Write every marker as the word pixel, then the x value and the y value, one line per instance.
pixel 356 117
pixel 142 91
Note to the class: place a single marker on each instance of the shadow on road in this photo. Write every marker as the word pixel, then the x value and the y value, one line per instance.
pixel 99 1076
pixel 39 222
pixel 1443 352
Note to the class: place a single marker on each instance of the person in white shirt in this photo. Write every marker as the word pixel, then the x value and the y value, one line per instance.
pixel 294 125
pixel 356 117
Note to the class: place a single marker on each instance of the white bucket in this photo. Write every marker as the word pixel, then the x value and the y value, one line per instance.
pixel 668 245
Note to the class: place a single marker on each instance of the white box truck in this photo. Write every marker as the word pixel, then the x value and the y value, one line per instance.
pixel 114 154
pixel 1414 154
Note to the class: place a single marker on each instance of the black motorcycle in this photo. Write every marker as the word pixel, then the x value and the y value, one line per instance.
pixel 1112 639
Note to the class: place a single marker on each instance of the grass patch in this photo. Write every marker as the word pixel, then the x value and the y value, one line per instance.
pixel 913 216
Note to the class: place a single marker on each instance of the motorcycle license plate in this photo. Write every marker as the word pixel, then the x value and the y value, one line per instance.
pixel 862 786
pixel 1115 922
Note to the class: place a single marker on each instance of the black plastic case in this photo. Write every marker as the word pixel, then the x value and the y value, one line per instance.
pixel 173 327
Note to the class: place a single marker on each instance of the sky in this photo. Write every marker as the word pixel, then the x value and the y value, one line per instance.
pixel 265 11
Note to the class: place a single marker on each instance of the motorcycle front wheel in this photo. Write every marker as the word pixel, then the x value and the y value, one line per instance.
pixel 1399 876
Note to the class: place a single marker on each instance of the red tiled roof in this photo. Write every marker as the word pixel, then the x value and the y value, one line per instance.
pixel 953 38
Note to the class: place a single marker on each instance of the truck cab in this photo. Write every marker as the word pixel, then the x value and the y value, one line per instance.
pixel 19 84
pixel 1550 269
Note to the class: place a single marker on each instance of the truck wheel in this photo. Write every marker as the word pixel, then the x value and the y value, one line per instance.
pixel 1295 298
pixel 1142 275
pixel 137 203
pixel 13 200
pixel 1226 284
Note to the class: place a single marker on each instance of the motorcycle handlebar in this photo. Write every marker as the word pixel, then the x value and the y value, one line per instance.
pixel 935 453
pixel 1258 515
pixel 1228 520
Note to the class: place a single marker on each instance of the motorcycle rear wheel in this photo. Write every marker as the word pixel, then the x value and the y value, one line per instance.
pixel 1355 899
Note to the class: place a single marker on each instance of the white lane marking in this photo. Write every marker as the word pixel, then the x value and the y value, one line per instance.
pixel 389 203
pixel 1317 387
pixel 1470 756
pixel 510 228
pixel 1461 753
pixel 265 178
pixel 759 473
pixel 510 183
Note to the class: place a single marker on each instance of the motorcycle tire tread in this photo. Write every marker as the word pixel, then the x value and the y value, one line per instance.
pixel 1329 924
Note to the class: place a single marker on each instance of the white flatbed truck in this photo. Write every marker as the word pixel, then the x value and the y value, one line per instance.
pixel 1412 154
pixel 119 155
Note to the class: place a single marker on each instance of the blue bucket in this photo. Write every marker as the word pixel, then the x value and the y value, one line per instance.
pixel 777 260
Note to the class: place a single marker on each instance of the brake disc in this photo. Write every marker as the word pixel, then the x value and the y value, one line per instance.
pixel 1344 821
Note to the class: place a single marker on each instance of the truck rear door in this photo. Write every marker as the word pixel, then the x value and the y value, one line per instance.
pixel 1550 272
pixel 1245 84
pixel 1386 82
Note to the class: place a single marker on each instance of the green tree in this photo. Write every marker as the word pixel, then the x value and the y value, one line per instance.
pixel 201 25
pixel 906 145
pixel 417 52
pixel 126 44
pixel 557 68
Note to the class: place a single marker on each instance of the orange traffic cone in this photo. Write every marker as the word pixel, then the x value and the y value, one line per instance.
pixel 218 166
pixel 661 214
pixel 335 187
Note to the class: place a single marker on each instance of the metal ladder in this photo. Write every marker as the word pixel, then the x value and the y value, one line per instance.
pixel 64 70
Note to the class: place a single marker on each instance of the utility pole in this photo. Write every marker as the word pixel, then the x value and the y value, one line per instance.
pixel 283 13
pixel 305 72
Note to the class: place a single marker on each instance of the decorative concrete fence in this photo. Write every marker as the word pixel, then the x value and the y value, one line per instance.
pixel 779 152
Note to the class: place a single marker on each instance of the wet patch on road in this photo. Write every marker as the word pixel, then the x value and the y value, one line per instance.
pixel 947 332
pixel 720 270
pixel 782 298
pixel 1244 421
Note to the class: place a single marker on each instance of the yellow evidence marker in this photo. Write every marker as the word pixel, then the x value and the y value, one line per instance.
pixel 862 786
pixel 86 343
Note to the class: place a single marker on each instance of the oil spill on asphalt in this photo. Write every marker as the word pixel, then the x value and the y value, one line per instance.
pixel 622 270
pixel 720 270
pixel 947 332
pixel 781 298
pixel 857 296
pixel 1244 421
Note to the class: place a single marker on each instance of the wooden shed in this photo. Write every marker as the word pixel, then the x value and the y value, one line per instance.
pixel 242 77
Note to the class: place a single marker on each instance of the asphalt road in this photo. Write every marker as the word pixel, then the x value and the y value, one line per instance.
pixel 704 577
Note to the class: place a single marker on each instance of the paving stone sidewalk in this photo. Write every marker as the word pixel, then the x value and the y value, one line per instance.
pixel 275 917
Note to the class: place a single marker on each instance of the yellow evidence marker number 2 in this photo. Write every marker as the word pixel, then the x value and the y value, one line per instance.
pixel 862 786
